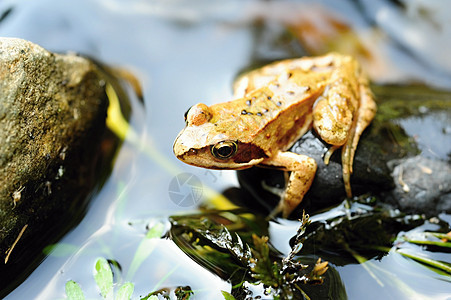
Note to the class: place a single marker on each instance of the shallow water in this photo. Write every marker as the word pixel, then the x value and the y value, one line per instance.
pixel 184 52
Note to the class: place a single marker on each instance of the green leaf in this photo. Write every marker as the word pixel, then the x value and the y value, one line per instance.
pixel 145 248
pixel 126 291
pixel 73 291
pixel 263 267
pixel 227 296
pixel 104 278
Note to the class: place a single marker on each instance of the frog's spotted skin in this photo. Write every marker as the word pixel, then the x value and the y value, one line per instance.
pixel 274 106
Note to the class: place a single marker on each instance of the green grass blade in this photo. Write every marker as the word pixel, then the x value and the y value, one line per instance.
pixel 73 291
pixel 145 248
pixel 430 243
pixel 429 262
pixel 104 278
pixel 442 236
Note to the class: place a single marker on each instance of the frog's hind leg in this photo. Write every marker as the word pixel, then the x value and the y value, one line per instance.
pixel 363 118
pixel 334 119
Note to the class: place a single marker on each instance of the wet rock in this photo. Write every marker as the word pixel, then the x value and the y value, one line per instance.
pixel 422 185
pixel 52 118
pixel 411 133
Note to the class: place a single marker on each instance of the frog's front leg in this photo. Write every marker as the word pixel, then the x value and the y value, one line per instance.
pixel 303 169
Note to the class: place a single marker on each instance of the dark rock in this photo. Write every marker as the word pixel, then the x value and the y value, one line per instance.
pixel 52 118
pixel 370 174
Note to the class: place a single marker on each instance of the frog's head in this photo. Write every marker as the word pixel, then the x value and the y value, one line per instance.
pixel 215 143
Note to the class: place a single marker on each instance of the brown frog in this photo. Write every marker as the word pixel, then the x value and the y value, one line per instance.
pixel 273 107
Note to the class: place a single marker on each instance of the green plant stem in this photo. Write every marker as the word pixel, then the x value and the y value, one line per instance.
pixel 430 262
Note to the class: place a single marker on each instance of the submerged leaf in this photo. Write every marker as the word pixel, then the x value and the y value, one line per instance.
pixel 104 278
pixel 74 291
pixel 230 245
pixel 227 296
pixel 207 240
pixel 183 292
pixel 126 291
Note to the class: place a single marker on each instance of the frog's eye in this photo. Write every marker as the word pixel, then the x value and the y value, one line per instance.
pixel 198 114
pixel 224 149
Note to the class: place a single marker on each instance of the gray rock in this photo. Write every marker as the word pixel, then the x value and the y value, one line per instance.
pixel 52 118
pixel 422 184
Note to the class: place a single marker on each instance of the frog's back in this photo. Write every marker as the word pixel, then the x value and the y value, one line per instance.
pixel 277 114
pixel 280 96
pixel 309 69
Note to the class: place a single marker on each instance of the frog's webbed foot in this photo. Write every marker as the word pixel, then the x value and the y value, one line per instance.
pixel 303 169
